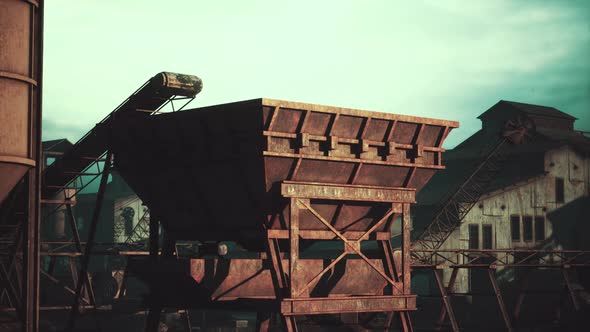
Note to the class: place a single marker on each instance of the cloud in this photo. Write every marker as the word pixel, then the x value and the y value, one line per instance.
pixel 53 129
pixel 447 59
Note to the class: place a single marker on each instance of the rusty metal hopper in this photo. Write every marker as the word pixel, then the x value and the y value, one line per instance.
pixel 214 173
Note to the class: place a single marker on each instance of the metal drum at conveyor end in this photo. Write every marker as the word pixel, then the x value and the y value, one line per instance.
pixel 19 104
pixel 179 84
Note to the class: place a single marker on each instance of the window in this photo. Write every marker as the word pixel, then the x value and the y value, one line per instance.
pixel 128 213
pixel 473 236
pixel 527 228
pixel 539 228
pixel 486 236
pixel 559 190
pixel 515 227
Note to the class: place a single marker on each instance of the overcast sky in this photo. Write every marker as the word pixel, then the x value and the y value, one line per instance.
pixel 442 59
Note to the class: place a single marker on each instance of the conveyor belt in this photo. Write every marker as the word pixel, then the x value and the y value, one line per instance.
pixel 148 99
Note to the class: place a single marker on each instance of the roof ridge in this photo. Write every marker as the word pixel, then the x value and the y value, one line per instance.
pixel 534 109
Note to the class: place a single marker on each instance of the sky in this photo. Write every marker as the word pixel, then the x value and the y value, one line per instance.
pixel 442 59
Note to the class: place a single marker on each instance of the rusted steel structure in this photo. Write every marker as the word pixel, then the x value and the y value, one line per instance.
pixel 494 262
pixel 91 156
pixel 276 176
pixel 21 34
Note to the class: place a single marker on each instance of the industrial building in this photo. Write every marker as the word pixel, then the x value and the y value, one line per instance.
pixel 550 169
pixel 503 208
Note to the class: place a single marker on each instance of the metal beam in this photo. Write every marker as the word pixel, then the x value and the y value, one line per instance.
pixel 90 241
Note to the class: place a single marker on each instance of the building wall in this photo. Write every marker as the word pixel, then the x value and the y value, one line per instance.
pixel 535 198
pixel 128 211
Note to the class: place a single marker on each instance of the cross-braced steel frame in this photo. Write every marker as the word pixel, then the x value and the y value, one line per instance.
pixel 492 260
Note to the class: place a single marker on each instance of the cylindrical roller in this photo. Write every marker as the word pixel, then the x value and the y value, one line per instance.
pixel 180 84
pixel 19 59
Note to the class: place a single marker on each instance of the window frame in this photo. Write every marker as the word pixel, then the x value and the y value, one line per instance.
pixel 485 227
pixel 477 236
pixel 540 220
pixel 515 219
pixel 559 190
pixel 524 228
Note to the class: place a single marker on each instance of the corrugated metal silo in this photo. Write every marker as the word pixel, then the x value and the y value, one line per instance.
pixel 20 58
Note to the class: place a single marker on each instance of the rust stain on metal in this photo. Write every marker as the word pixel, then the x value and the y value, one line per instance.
pixel 19 56
pixel 270 174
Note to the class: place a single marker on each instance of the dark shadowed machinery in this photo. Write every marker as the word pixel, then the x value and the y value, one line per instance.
pixel 277 177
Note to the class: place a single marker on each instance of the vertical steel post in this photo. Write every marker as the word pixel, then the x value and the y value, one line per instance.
pixel 570 289
pixel 262 322
pixel 406 322
pixel 294 247
pixel 31 255
pixel 447 306
pixel 406 259
pixel 32 262
pixel 520 295
pixel 293 258
pixel 90 241
pixel 498 294
pixel 152 323
pixel 154 236
pixel 74 227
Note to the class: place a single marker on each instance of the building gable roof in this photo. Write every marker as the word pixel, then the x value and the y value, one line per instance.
pixel 528 109
pixel 57 145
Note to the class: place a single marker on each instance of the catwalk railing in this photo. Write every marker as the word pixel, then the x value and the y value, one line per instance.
pixel 491 261
pixel 496 258
pixel 496 262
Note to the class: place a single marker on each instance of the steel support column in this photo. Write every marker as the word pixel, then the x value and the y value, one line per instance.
pixel 31 264
pixel 153 316
pixel 499 298
pixel 520 295
pixel 90 241
pixel 569 288
pixel 447 306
